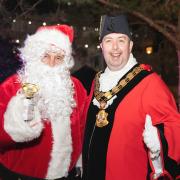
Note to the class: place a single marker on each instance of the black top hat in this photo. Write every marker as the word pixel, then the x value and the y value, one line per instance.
pixel 114 24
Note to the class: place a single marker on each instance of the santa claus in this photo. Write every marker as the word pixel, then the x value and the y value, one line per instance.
pixel 42 110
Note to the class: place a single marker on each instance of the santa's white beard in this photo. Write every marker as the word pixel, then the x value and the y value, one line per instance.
pixel 55 96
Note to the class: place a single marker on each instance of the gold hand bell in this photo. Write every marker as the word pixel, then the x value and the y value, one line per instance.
pixel 29 89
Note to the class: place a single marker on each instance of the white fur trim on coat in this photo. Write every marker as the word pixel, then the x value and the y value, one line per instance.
pixel 14 124
pixel 62 148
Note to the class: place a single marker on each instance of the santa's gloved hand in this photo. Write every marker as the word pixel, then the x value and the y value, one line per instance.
pixel 15 119
pixel 151 138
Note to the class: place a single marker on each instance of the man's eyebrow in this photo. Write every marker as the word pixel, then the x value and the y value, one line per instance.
pixel 122 37
pixel 119 37
pixel 107 38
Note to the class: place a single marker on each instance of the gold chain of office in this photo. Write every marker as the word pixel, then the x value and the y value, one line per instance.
pixel 103 97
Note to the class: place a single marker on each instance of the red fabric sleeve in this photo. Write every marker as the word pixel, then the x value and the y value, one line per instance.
pixel 158 102
pixel 7 89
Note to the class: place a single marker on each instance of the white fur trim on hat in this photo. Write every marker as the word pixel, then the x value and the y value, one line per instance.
pixel 37 44
pixel 54 37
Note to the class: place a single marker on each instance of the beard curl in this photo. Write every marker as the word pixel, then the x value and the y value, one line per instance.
pixel 55 96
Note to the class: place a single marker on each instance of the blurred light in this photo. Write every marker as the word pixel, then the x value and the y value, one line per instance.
pixel 136 35
pixel 98 46
pixel 84 28
pixel 14 20
pixel 86 45
pixel 69 3
pixel 44 23
pixel 96 29
pixel 29 22
pixel 17 41
pixel 149 50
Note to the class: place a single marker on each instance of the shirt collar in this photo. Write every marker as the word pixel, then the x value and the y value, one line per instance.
pixel 109 78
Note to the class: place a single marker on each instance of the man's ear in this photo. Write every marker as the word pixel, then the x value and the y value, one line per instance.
pixel 131 45
pixel 101 45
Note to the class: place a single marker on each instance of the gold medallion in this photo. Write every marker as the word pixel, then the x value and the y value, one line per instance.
pixel 101 118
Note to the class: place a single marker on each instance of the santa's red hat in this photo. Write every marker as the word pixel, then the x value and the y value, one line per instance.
pixel 67 30
pixel 46 37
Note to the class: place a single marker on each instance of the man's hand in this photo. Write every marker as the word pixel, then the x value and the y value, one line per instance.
pixel 78 172
pixel 151 138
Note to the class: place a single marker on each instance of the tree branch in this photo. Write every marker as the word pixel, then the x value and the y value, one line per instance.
pixel 148 20
pixel 57 10
pixel 3 12
pixel 167 2
pixel 30 9
pixel 155 2
pixel 20 4
pixel 178 27
pixel 165 24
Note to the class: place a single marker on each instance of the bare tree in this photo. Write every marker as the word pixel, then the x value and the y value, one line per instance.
pixel 162 15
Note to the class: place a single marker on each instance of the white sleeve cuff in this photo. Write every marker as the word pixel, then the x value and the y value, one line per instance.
pixel 14 124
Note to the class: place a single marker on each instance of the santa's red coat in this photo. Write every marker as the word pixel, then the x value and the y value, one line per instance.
pixel 32 158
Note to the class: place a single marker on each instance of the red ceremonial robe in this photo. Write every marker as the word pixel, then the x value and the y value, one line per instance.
pixel 127 157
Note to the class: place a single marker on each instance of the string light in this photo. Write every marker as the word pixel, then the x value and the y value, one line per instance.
pixel 17 41
pixel 44 24
pixel 84 28
pixel 136 35
pixel 86 46
pixel 69 3
pixel 149 50
pixel 96 29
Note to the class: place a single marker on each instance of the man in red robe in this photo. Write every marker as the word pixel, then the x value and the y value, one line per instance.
pixel 133 126
pixel 42 111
